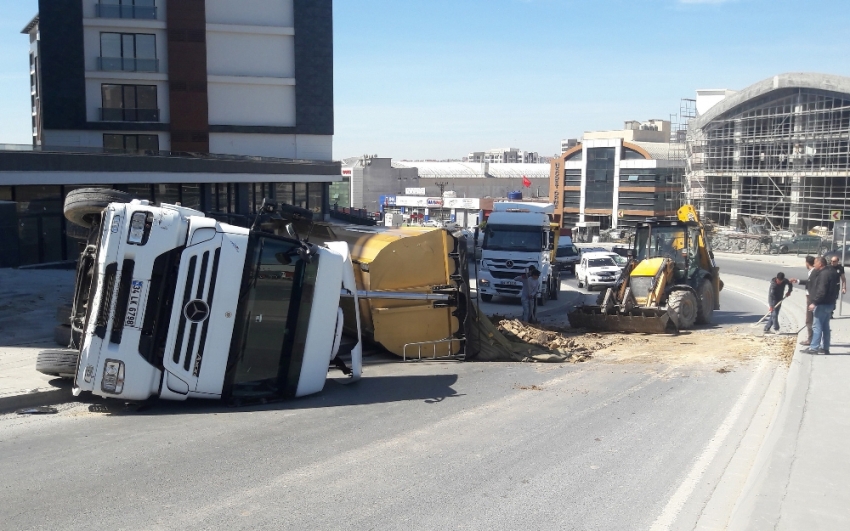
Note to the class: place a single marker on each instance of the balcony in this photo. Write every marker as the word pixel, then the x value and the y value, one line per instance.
pixel 127 64
pixel 129 115
pixel 119 11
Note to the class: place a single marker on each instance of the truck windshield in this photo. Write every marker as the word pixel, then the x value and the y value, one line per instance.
pixel 512 238
pixel 567 251
pixel 271 319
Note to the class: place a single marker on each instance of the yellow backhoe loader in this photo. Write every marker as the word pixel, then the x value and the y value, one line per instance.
pixel 670 283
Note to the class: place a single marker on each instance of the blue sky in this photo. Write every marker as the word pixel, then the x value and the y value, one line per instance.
pixel 441 78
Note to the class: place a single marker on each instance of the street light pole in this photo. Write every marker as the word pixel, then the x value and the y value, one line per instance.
pixel 442 186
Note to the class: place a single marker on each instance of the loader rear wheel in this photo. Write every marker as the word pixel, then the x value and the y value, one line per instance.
pixel 682 307
pixel 83 205
pixel 705 309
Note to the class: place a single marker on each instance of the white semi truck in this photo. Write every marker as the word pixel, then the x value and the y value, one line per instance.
pixel 518 235
pixel 177 305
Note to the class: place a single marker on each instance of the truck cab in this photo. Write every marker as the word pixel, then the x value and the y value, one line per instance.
pixel 165 317
pixel 516 236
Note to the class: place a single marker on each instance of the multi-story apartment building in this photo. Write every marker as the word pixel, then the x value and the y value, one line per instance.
pixel 213 103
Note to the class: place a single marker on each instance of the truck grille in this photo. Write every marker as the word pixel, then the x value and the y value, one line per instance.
pixel 105 300
pixel 193 349
pixel 122 301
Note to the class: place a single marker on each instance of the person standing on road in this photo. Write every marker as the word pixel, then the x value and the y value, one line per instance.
pixel 774 296
pixel 823 289
pixel 810 266
pixel 528 295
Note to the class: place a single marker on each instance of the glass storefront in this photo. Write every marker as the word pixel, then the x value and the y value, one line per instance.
pixel 41 225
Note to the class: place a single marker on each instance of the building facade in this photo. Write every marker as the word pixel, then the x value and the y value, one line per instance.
pixel 615 182
pixel 504 156
pixel 212 103
pixel 778 150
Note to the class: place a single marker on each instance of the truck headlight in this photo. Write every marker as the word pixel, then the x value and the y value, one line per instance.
pixel 139 228
pixel 484 282
pixel 113 377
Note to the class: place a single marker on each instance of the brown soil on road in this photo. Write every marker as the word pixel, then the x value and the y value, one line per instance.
pixel 718 349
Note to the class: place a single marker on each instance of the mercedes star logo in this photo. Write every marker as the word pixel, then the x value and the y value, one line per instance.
pixel 510 264
pixel 196 311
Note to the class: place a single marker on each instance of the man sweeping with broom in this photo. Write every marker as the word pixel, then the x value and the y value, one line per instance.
pixel 775 294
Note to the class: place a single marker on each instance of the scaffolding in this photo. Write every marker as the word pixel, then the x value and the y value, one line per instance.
pixel 783 158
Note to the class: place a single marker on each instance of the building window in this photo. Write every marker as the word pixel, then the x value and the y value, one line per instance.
pixel 138 143
pixel 129 52
pixel 314 196
pixel 144 9
pixel 129 103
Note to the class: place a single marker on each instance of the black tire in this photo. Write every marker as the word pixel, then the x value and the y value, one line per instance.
pixel 578 281
pixel 62 335
pixel 76 232
pixel 544 295
pixel 84 204
pixel 824 250
pixel 705 305
pixel 783 249
pixel 63 314
pixel 486 297
pixel 682 307
pixel 556 288
pixel 57 362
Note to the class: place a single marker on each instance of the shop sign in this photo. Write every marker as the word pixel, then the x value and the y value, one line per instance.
pixel 414 191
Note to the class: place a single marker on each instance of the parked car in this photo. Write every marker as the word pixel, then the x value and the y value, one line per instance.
pixel 620 260
pixel 803 243
pixel 838 252
pixel 597 269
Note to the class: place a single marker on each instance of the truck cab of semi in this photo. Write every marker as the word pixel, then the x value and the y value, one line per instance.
pixel 516 236
pixel 164 316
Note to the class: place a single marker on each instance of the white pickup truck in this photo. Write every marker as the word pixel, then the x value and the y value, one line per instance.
pixel 162 315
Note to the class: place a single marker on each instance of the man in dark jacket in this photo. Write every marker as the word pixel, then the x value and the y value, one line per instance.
pixel 810 267
pixel 823 292
pixel 775 294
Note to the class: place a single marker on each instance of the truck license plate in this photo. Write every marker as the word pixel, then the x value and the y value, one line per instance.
pixel 136 291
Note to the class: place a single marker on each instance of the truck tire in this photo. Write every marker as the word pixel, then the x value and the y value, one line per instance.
pixel 486 297
pixel 76 232
pixel 84 204
pixel 705 306
pixel 682 307
pixel 63 314
pixel 62 335
pixel 556 287
pixel 57 362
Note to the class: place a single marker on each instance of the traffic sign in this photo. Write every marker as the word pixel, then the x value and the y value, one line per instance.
pixel 834 215
pixel 620 213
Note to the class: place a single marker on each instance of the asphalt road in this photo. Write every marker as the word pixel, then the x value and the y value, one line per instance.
pixel 432 445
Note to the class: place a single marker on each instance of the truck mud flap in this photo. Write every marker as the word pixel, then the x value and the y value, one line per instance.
pixel 639 320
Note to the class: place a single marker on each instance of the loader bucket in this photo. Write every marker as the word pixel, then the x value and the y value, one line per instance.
pixel 638 320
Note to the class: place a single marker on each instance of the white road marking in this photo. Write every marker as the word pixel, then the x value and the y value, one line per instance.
pixel 677 501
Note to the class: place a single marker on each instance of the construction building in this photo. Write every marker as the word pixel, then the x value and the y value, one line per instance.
pixel 618 178
pixel 777 151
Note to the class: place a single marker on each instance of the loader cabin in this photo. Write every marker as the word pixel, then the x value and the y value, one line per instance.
pixel 676 240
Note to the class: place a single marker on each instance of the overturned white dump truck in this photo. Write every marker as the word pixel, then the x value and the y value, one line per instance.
pixel 174 304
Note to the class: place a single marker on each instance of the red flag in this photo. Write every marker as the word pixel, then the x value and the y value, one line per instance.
pixel 526 182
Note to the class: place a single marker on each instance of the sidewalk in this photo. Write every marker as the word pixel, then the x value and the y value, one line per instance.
pixel 799 478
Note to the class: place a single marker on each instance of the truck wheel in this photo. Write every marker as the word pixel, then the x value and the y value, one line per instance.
pixel 705 308
pixel 556 287
pixel 63 314
pixel 486 297
pixel 57 362
pixel 62 335
pixel 682 307
pixel 76 232
pixel 541 299
pixel 84 204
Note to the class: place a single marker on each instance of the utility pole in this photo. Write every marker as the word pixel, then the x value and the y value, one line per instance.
pixel 442 187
